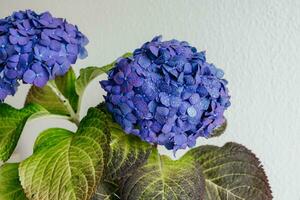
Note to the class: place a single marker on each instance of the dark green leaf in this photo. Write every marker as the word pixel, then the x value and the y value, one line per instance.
pixel 232 172
pixel 67 165
pixel 106 191
pixel 220 130
pixel 90 73
pixel 58 96
pixel 10 186
pixel 165 179
pixel 128 151
pixel 12 122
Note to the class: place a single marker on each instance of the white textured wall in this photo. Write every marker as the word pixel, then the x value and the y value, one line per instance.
pixel 256 42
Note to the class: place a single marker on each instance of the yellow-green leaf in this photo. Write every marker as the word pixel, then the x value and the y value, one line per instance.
pixel 10 186
pixel 58 96
pixel 12 122
pixel 67 165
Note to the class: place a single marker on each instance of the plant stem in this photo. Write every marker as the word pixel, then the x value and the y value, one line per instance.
pixel 74 117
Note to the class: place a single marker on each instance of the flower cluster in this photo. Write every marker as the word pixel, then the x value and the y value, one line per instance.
pixel 36 48
pixel 167 94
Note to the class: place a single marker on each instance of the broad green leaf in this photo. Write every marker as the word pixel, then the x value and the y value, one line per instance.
pixel 106 191
pixel 67 165
pixel 50 138
pixel 58 96
pixel 10 186
pixel 232 172
pixel 12 122
pixel 128 151
pixel 220 130
pixel 165 179
pixel 90 73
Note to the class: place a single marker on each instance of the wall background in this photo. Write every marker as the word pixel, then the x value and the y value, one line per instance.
pixel 257 43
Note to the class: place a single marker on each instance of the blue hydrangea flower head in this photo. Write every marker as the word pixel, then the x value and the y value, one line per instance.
pixel 35 48
pixel 167 94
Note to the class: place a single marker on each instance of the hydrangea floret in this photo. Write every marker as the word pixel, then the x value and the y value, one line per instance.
pixel 35 48
pixel 167 94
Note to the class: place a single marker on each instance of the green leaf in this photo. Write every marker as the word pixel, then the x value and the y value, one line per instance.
pixel 50 138
pixel 106 191
pixel 10 186
pixel 163 178
pixel 128 151
pixel 90 73
pixel 58 96
pixel 12 122
pixel 232 172
pixel 67 165
pixel 220 130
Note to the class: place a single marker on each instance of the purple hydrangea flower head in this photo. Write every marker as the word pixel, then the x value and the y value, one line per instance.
pixel 35 48
pixel 167 94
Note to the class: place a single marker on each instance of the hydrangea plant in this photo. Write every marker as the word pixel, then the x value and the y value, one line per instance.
pixel 164 93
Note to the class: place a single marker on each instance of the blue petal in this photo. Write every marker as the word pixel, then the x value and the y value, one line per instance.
pixel 164 99
pixel 180 139
pixel 163 111
pixel 194 98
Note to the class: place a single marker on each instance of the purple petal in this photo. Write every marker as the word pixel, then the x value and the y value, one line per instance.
pixel 131 117
pixel 55 45
pixel 154 50
pixel 119 78
pixel 140 105
pixel 163 111
pixel 166 128
pixel 3 94
pixel 195 98
pixel 175 102
pixel 23 40
pixel 11 73
pixel 184 106
pixel 40 81
pixel 191 141
pixel 187 68
pixel 180 139
pixel 126 87
pixel 135 80
pixel 29 76
pixel 191 111
pixel 45 40
pixel 152 106
pixel 163 138
pixel 185 95
pixel 155 127
pixel 14 58
pixel 72 49
pixel 116 89
pixel 219 73
pixel 83 53
pixel 125 108
pixel 164 99
pixel 124 66
pixel 144 61
pixel 115 99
